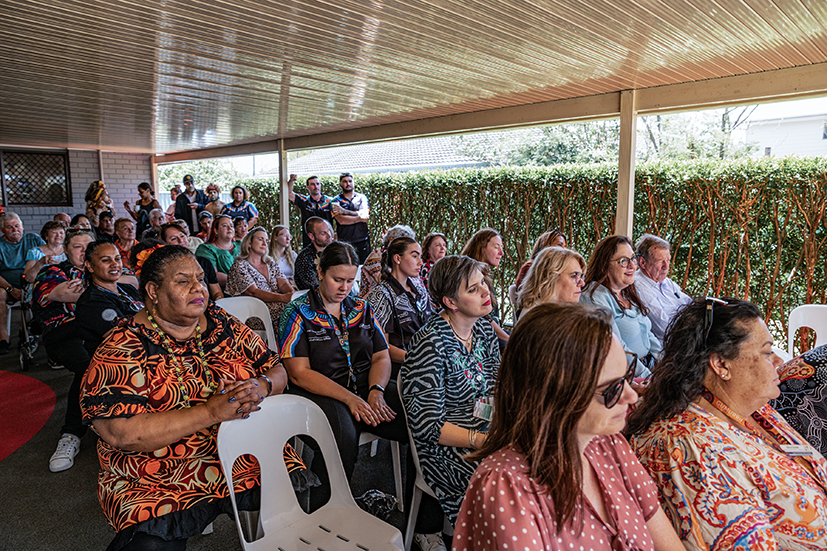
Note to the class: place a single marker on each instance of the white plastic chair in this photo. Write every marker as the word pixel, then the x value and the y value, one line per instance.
pixel 420 486
pixel 340 524
pixel 782 354
pixel 512 296
pixel 245 308
pixel 813 316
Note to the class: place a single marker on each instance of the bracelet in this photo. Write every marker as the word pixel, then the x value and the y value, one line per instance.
pixel 380 388
pixel 269 383
pixel 471 437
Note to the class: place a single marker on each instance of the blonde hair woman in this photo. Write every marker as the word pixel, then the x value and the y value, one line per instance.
pixel 281 251
pixel 556 275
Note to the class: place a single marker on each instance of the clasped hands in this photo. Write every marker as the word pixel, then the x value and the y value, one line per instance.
pixel 236 399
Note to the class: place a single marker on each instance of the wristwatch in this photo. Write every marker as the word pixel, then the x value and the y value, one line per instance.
pixel 380 388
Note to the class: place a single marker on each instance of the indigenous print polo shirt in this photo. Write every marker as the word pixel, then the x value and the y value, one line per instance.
pixel 307 330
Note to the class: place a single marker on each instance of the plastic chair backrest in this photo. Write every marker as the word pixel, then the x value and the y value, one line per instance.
pixel 250 307
pixel 410 435
pixel 807 315
pixel 512 295
pixel 264 435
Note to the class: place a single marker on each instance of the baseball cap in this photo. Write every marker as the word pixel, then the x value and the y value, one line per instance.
pixel 188 178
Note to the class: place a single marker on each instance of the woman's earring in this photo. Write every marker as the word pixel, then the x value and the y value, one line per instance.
pixel 454 310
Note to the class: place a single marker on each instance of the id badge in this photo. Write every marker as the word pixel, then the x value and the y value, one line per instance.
pixel 484 408
pixel 797 450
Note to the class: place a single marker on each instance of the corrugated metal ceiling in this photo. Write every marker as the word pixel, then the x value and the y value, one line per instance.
pixel 176 75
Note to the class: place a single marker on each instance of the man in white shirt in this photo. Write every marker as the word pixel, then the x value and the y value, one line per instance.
pixel 661 295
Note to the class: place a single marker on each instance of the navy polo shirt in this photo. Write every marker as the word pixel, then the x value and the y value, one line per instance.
pixel 306 330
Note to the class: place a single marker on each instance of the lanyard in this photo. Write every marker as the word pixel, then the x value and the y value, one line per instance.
pixel 342 335
pixel 784 445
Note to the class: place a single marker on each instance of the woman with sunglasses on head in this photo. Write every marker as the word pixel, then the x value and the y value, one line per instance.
pixel 610 283
pixel 400 301
pixel 732 472
pixel 555 473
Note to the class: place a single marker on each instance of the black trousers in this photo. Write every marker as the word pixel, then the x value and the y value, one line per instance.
pixel 362 250
pixel 346 431
pixel 64 346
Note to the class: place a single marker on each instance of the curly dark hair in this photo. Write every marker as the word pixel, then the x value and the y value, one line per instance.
pixel 678 378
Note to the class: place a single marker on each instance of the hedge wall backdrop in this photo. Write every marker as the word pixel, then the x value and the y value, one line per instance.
pixel 753 229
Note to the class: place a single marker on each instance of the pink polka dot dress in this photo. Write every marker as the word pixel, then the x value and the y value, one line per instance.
pixel 504 509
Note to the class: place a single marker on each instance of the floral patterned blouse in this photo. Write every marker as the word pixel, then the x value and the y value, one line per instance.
pixel 727 489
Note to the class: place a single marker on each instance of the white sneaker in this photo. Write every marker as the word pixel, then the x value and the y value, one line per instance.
pixel 64 457
pixel 430 542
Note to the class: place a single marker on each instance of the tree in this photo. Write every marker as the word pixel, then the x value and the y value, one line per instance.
pixel 209 171
pixel 681 136
pixel 697 135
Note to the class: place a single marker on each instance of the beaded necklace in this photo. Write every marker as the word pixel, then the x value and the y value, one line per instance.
pixel 176 362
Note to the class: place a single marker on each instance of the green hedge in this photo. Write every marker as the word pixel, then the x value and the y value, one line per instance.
pixel 754 229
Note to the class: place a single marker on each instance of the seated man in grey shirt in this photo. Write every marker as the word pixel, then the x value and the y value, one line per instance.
pixel 662 296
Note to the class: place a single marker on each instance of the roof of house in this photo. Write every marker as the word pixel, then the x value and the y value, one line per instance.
pixel 393 156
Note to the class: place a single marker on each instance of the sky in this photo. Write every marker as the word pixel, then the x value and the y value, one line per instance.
pixel 795 108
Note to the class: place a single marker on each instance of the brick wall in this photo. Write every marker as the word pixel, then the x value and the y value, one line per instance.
pixel 122 172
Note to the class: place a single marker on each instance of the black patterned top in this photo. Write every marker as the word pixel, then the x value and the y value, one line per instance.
pixel 803 399
pixel 441 381
pixel 305 273
pixel 399 313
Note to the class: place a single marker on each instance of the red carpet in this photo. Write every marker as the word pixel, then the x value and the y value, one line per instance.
pixel 25 407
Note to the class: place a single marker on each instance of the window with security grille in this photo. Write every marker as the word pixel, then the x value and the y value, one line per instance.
pixel 35 178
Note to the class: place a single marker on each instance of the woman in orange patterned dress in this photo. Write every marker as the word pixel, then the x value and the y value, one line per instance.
pixel 731 472
pixel 156 390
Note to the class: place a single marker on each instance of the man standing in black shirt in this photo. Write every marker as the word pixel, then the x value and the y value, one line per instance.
pixel 315 203
pixel 305 272
pixel 190 203
pixel 351 211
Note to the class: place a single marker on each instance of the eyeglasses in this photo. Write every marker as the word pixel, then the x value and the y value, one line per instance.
pixel 710 310
pixel 611 396
pixel 626 260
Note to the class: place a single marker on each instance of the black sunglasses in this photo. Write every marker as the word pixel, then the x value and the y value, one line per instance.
pixel 611 396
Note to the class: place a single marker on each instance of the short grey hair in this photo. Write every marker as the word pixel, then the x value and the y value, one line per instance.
pixel 158 211
pixel 647 242
pixel 11 216
pixel 396 232
pixel 448 274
